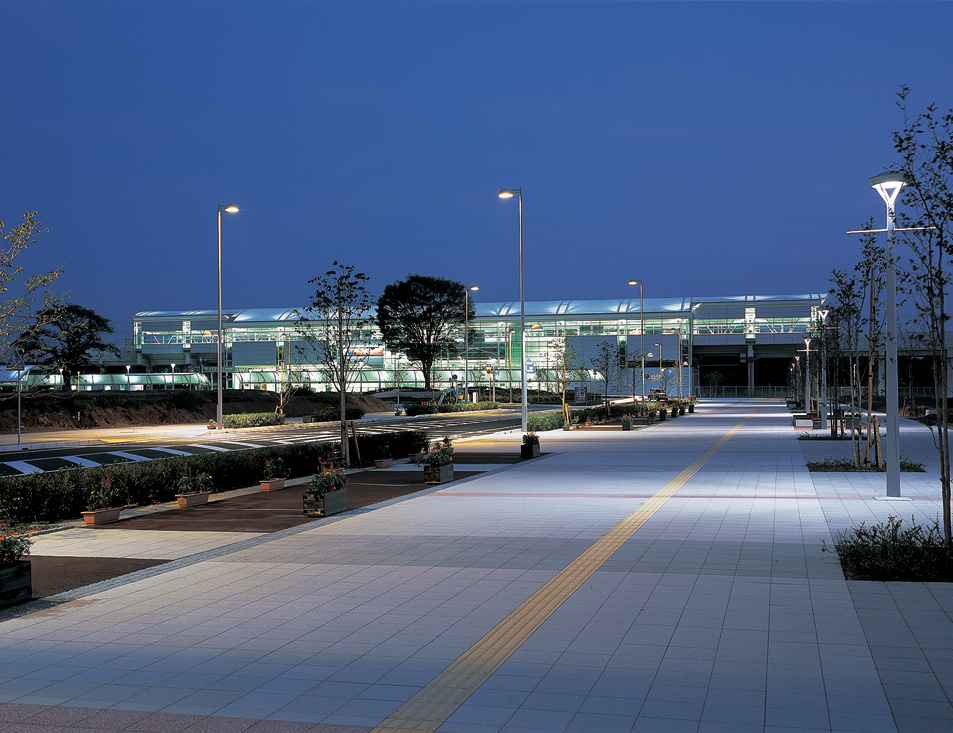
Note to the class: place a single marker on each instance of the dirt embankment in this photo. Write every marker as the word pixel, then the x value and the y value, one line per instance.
pixel 62 411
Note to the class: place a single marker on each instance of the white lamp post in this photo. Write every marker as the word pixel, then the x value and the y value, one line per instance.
pixel 466 341
pixel 127 377
pixel 172 380
pixel 641 332
pixel 231 209
pixel 508 193
pixel 661 373
pixel 807 376
pixel 888 185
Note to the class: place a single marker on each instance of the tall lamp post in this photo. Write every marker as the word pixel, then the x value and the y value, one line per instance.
pixel 641 332
pixel 807 376
pixel 231 209
pixel 661 374
pixel 508 193
pixel 888 185
pixel 172 376
pixel 466 341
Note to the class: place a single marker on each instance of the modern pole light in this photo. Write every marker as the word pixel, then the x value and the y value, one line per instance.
pixel 466 340
pixel 508 193
pixel 888 185
pixel 807 375
pixel 641 332
pixel 231 209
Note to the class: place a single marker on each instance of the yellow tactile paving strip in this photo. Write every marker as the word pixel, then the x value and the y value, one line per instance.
pixel 435 703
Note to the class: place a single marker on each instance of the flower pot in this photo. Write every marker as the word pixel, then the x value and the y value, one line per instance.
pixel 383 462
pixel 15 583
pixel 438 474
pixel 97 517
pixel 324 505
pixel 187 500
pixel 529 451
pixel 416 457
pixel 273 484
pixel 691 408
pixel 567 427
pixel 627 426
pixel 661 415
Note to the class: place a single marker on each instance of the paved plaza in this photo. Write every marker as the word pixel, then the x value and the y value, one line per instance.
pixel 672 578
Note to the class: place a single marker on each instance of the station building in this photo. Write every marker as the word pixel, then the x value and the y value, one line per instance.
pixel 746 341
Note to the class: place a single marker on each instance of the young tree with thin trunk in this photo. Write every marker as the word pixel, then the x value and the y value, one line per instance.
pixel 606 362
pixel 332 328
pixel 925 147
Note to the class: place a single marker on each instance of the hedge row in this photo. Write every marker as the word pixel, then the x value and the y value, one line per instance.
pixel 554 420
pixel 252 420
pixel 58 495
pixel 399 445
pixel 350 413
pixel 456 407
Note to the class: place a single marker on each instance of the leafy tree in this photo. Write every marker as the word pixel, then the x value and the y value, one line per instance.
pixel 419 316
pixel 65 336
pixel 332 327
pixel 23 297
pixel 925 147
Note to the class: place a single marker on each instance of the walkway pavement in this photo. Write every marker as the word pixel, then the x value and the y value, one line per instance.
pixel 665 579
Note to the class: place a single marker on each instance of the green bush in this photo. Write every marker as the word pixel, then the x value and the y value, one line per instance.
pixel 399 444
pixel 889 552
pixel 412 410
pixel 252 420
pixel 541 422
pixel 350 413
pixel 834 465
pixel 58 495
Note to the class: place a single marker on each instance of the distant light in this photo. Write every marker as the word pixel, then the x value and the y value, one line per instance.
pixel 633 282
pixel 505 193
pixel 231 209
pixel 474 287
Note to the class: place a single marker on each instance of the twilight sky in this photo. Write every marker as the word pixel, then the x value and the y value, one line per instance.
pixel 715 148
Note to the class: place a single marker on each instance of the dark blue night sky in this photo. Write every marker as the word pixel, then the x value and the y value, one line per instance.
pixel 713 148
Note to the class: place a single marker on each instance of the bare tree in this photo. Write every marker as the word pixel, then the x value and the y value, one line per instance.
pixel 606 362
pixel 332 327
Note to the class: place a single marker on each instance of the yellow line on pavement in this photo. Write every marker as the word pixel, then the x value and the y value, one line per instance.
pixel 435 703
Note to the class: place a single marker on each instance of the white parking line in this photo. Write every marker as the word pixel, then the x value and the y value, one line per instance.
pixel 173 451
pixel 23 467
pixel 84 462
pixel 130 456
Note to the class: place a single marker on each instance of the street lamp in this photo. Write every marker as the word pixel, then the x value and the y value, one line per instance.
pixel 127 377
pixel 641 332
pixel 172 380
pixel 807 376
pixel 888 185
pixel 508 193
pixel 466 340
pixel 661 374
pixel 231 209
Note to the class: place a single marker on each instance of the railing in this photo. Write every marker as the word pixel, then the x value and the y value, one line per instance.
pixel 727 391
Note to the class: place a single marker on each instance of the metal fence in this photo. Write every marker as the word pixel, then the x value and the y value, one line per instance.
pixel 725 391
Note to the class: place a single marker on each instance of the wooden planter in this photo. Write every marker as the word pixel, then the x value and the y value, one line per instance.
pixel 324 505
pixel 383 462
pixel 187 500
pixel 529 451
pixel 438 474
pixel 15 583
pixel 98 517
pixel 274 484
pixel 626 425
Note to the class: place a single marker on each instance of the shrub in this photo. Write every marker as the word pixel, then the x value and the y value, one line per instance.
pixel 14 543
pixel 252 420
pixel 350 413
pixel 400 444
pixel 546 421
pixel 413 410
pixel 847 465
pixel 106 496
pixel 889 552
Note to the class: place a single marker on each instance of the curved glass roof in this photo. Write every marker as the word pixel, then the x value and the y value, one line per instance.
pixel 512 309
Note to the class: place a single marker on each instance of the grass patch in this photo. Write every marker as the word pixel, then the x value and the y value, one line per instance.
pixel 888 551
pixel 832 465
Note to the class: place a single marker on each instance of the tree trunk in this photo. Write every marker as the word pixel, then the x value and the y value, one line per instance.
pixel 342 388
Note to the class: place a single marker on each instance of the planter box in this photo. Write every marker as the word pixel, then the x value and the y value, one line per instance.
pixel 529 451
pixel 691 408
pixel 416 457
pixel 661 415
pixel 275 484
pixel 187 500
pixel 627 425
pixel 438 474
pixel 99 517
pixel 383 462
pixel 333 502
pixel 15 583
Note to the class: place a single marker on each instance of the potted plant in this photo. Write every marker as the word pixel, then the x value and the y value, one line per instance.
pixel 530 447
pixel 273 475
pixel 626 422
pixel 327 492
pixel 211 424
pixel 438 465
pixel 104 504
pixel 447 444
pixel 194 488
pixel 384 458
pixel 15 575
